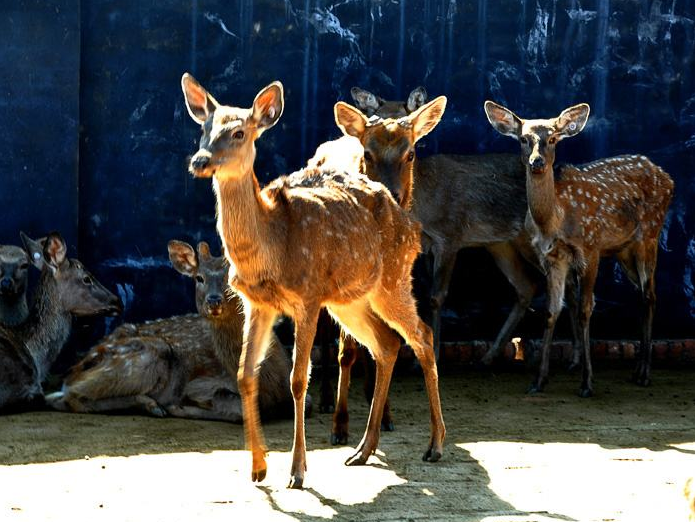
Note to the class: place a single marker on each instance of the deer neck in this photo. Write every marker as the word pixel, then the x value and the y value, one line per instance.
pixel 227 334
pixel 542 202
pixel 14 311
pixel 48 326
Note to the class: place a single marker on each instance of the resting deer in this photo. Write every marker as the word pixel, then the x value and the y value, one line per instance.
pixel 14 272
pixel 316 238
pixel 577 214
pixel 65 289
pixel 171 366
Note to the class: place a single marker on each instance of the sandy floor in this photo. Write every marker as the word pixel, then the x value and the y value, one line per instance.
pixel 623 455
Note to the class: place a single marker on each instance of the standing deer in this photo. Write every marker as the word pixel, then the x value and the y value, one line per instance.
pixel 316 238
pixel 28 350
pixel 14 272
pixel 577 214
pixel 172 366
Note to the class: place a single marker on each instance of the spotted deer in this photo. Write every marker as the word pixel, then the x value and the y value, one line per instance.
pixel 14 273
pixel 28 350
pixel 315 238
pixel 578 214
pixel 172 366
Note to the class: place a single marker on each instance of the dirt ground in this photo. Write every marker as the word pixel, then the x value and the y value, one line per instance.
pixel 623 455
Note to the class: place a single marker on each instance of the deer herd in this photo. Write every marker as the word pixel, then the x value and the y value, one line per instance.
pixel 341 234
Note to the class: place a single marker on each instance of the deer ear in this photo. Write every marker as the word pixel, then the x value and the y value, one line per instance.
pixel 365 100
pixel 349 119
pixel 55 250
pixel 183 258
pixel 203 251
pixel 427 117
pixel 416 99
pixel 503 120
pixel 268 106
pixel 34 250
pixel 572 120
pixel 199 102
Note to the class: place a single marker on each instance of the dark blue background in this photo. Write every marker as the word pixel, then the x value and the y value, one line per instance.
pixel 95 133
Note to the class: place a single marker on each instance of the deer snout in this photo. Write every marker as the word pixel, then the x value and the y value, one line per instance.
pixel 214 303
pixel 537 162
pixel 6 285
pixel 200 163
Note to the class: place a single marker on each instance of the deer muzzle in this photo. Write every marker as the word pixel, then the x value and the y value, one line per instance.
pixel 200 164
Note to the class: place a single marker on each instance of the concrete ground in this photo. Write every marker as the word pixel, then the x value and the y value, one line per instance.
pixel 624 455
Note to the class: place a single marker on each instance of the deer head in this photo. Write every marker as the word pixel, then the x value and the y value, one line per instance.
pixel 78 291
pixel 373 105
pixel 14 270
pixel 389 145
pixel 210 275
pixel 227 144
pixel 538 138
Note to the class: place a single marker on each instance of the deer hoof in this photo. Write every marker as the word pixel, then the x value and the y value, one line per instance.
pixel 258 475
pixel 585 393
pixel 431 455
pixel 387 425
pixel 339 439
pixel 158 411
pixel 535 388
pixel 296 482
pixel 358 459
pixel 642 381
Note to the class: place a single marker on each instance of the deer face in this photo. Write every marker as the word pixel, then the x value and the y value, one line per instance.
pixel 538 138
pixel 389 145
pixel 228 133
pixel 79 292
pixel 373 105
pixel 212 292
pixel 14 270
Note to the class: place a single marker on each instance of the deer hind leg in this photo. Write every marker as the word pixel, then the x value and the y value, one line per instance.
pixel 360 321
pixel 397 308
pixel 513 266
pixel 573 299
pixel 324 331
pixel 304 333
pixel 442 269
pixel 645 262
pixel 558 267
pixel 257 329
pixel 141 403
pixel 369 384
pixel 587 281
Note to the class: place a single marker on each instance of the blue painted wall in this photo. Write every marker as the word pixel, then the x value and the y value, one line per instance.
pixel 95 133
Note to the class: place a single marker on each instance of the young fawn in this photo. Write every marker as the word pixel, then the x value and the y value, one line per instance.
pixel 14 272
pixel 577 214
pixel 461 201
pixel 316 238
pixel 28 350
pixel 171 366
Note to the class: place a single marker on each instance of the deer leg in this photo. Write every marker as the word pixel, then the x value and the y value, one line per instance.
pixel 141 403
pixel 573 297
pixel 360 320
pixel 257 329
pixel 347 353
pixel 556 278
pixel 586 307
pixel 304 333
pixel 513 266
pixel 369 385
pixel 442 269
pixel 646 267
pixel 327 403
pixel 232 414
pixel 397 308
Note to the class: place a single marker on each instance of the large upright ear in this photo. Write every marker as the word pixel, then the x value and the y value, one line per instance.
pixel 365 100
pixel 54 250
pixel 199 102
pixel 416 99
pixel 350 119
pixel 204 251
pixel 34 250
pixel 268 106
pixel 427 117
pixel 503 120
pixel 183 258
pixel 572 120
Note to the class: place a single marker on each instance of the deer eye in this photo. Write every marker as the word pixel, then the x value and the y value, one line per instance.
pixel 200 279
pixel 523 140
pixel 24 266
pixel 411 155
pixel 368 156
pixel 87 280
pixel 552 140
pixel 238 135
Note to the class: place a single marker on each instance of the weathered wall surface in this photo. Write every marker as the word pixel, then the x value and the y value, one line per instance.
pixel 107 74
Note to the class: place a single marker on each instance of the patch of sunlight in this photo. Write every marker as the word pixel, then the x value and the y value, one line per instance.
pixel 184 487
pixel 559 481
pixel 686 446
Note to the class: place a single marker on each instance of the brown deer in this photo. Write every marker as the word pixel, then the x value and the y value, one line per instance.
pixel 65 289
pixel 577 214
pixel 373 105
pixel 316 238
pixel 14 272
pixel 171 366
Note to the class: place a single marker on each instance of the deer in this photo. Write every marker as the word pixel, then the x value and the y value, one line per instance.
pixel 312 239
pixel 14 274
pixel 28 350
pixel 577 214
pixel 172 366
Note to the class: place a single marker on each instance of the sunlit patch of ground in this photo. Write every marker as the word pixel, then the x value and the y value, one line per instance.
pixel 623 455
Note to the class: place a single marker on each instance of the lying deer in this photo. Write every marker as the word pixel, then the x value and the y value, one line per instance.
pixel 172 366
pixel 316 238
pixel 65 289
pixel 14 272
pixel 578 214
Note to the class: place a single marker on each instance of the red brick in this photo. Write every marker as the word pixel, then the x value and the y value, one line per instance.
pixel 688 353
pixel 599 349
pixel 629 351
pixel 659 350
pixel 675 351
pixel 613 350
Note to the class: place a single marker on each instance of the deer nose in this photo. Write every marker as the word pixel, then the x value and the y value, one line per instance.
pixel 6 283
pixel 214 300
pixel 537 163
pixel 200 160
